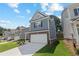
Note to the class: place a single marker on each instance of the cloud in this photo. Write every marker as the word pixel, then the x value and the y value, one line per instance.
pixel 4 22
pixel 28 11
pixel 49 13
pixel 16 10
pixel 51 8
pixel 28 25
pixel 59 17
pixel 13 5
pixel 56 7
pixel 44 6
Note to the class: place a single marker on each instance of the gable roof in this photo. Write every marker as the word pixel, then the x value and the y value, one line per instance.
pixel 38 15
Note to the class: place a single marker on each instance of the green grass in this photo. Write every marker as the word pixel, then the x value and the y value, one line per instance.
pixel 58 49
pixel 61 50
pixel 1 36
pixel 7 46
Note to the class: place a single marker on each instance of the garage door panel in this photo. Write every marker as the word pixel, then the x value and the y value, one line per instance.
pixel 39 38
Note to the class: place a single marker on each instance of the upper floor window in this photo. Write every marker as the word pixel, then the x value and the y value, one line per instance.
pixel 34 25
pixel 41 24
pixel 38 24
pixel 76 11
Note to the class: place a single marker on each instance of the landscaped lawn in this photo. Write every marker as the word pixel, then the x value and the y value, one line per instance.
pixel 58 49
pixel 7 46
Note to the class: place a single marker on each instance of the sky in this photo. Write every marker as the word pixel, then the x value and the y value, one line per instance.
pixel 13 15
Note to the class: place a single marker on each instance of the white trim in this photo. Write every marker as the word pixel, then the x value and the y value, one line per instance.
pixel 44 18
pixel 49 28
pixel 25 35
pixel 77 36
pixel 68 11
pixel 38 31
pixel 75 32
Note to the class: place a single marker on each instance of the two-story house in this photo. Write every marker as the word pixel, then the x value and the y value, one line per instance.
pixel 70 24
pixel 42 28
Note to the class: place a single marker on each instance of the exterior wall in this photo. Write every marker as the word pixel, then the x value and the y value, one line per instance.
pixel 66 24
pixel 27 36
pixel 22 35
pixel 71 10
pixel 76 36
pixel 8 35
pixel 67 29
pixel 69 26
pixel 52 29
pixel 39 28
pixel 38 15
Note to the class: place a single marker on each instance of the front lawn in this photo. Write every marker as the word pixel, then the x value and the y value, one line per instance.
pixel 57 49
pixel 7 46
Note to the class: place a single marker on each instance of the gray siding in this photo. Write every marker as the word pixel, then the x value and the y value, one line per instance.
pixel 39 28
pixel 52 29
pixel 22 35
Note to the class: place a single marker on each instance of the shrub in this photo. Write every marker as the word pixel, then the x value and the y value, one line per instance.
pixel 77 51
pixel 21 41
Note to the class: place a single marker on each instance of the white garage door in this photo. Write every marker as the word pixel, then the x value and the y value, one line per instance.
pixel 39 38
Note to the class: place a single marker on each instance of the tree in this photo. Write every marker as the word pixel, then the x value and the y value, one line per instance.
pixel 57 23
pixel 2 30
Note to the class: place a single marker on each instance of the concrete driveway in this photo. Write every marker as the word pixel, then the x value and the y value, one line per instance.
pixel 27 50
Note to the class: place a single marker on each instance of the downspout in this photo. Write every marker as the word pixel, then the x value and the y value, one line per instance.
pixel 49 42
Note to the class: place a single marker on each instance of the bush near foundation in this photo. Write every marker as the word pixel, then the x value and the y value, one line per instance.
pixel 77 51
pixel 21 41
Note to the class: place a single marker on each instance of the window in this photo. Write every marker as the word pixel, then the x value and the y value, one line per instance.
pixel 34 25
pixel 38 23
pixel 41 24
pixel 78 30
pixel 76 11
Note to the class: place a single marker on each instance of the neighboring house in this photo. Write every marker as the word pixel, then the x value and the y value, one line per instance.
pixel 16 34
pixel 21 32
pixel 70 24
pixel 42 28
pixel 9 35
